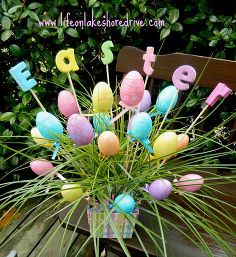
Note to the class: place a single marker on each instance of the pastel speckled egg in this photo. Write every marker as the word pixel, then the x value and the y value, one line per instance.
pixel 183 140
pixel 80 130
pixel 165 145
pixel 132 89
pixel 165 98
pixel 41 167
pixel 145 102
pixel 102 97
pixel 160 189
pixel 190 182
pixel 140 126
pixel 124 203
pixel 48 125
pixel 71 192
pixel 108 143
pixel 39 139
pixel 66 103
pixel 101 122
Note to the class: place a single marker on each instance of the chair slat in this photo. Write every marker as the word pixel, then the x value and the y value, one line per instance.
pixel 217 70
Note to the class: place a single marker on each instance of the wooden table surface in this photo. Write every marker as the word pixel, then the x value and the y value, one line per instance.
pixel 178 245
pixel 43 237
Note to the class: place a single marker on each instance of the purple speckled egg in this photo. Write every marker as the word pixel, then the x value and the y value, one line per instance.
pixel 132 89
pixel 41 167
pixel 160 189
pixel 66 103
pixel 80 130
pixel 146 102
pixel 190 182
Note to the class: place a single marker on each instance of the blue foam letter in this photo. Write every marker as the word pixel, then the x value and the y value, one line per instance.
pixel 21 77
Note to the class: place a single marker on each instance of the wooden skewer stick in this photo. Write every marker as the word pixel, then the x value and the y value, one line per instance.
pixel 73 90
pixel 119 115
pixel 37 99
pixel 146 80
pixel 195 121
pixel 108 77
pixel 60 176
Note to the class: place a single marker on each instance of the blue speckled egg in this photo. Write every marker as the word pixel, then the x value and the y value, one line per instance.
pixel 48 125
pixel 140 126
pixel 101 122
pixel 80 130
pixel 165 98
pixel 124 203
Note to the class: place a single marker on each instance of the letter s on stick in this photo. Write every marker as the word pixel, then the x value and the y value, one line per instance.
pixel 108 55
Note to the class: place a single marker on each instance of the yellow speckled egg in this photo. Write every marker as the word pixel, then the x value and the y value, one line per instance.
pixel 165 145
pixel 39 139
pixel 102 97
pixel 71 192
pixel 108 143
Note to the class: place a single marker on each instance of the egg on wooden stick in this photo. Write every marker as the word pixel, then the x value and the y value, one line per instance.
pixel 66 103
pixel 71 191
pixel 190 182
pixel 80 130
pixel 50 128
pixel 102 98
pixel 108 143
pixel 124 203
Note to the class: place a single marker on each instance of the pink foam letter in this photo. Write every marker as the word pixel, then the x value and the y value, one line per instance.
pixel 221 90
pixel 148 58
pixel 182 76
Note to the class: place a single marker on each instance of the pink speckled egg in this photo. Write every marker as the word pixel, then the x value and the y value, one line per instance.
pixel 80 130
pixel 146 102
pixel 66 103
pixel 41 167
pixel 160 189
pixel 190 182
pixel 183 141
pixel 132 89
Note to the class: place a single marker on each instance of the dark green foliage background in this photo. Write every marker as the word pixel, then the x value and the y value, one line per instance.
pixel 197 27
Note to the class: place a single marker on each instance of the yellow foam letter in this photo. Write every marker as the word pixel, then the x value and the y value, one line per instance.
pixel 70 56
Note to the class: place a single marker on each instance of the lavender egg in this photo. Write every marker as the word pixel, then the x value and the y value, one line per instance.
pixel 160 189
pixel 146 102
pixel 80 130
pixel 66 103
pixel 132 89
